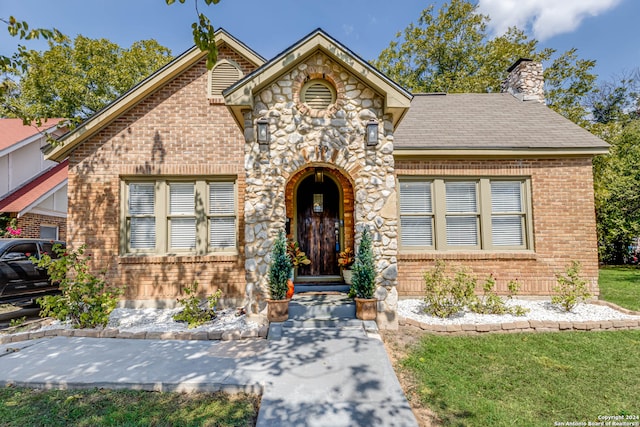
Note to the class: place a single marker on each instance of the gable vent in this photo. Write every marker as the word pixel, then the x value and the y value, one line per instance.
pixel 223 75
pixel 318 94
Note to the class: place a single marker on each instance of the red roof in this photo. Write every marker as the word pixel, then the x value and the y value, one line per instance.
pixel 33 190
pixel 13 131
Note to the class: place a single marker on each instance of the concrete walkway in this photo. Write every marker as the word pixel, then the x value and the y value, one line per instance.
pixel 308 377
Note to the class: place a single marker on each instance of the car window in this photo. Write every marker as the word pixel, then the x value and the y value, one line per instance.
pixel 26 249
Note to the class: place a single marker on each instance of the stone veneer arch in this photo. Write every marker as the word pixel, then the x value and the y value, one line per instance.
pixel 345 185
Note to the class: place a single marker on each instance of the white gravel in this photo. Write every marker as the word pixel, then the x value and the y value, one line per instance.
pixel 538 310
pixel 161 320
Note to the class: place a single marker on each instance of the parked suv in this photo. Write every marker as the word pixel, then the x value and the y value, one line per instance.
pixel 21 282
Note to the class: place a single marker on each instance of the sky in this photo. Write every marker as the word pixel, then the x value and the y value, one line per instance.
pixel 604 30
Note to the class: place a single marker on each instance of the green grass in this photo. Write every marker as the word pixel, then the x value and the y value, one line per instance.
pixel 527 379
pixel 99 407
pixel 621 286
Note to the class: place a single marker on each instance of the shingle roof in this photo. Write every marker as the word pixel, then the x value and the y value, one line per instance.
pixel 33 190
pixel 13 131
pixel 488 121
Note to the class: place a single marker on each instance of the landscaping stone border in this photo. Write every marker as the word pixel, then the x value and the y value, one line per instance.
pixel 226 335
pixel 523 326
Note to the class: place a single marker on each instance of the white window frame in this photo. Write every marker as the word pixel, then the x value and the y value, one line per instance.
pixel 484 214
pixel 163 217
pixel 50 226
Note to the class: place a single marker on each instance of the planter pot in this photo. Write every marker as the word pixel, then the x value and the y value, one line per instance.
pixel 277 310
pixel 347 275
pixel 366 308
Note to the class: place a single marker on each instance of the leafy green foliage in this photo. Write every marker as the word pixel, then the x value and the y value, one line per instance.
pixel 75 79
pixel 203 33
pixel 491 303
pixel 17 321
pixel 571 288
pixel 446 295
pixel 296 255
pixel 451 51
pixel 193 311
pixel 279 268
pixel 364 269
pixel 86 299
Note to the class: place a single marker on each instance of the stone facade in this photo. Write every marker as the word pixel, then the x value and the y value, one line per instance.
pixel 303 138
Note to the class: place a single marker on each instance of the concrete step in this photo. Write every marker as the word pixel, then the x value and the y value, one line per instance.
pixel 321 306
pixel 321 287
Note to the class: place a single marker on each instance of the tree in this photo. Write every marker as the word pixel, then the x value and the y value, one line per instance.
pixel 75 79
pixel 452 52
pixel 203 32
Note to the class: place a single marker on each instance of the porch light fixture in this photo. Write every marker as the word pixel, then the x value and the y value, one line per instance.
pixel 263 134
pixel 319 175
pixel 372 132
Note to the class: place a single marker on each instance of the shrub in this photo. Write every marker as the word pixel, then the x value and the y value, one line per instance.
pixel 491 303
pixel 194 312
pixel 364 270
pixel 571 288
pixel 279 269
pixel 86 299
pixel 446 296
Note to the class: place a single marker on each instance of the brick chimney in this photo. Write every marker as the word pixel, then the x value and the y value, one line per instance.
pixel 525 81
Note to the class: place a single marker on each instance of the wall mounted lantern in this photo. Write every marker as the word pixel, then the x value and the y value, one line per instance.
pixel 319 175
pixel 263 134
pixel 372 132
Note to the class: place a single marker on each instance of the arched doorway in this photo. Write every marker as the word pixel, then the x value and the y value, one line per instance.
pixel 318 225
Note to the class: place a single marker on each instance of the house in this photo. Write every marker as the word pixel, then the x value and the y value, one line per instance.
pixel 191 174
pixel 32 189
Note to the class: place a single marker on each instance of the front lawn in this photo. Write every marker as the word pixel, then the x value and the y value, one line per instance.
pixel 29 407
pixel 526 379
pixel 621 286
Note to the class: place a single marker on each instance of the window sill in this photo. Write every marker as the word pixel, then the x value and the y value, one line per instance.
pixel 178 258
pixel 468 255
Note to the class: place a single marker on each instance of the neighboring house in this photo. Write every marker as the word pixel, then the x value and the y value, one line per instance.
pixel 32 190
pixel 190 176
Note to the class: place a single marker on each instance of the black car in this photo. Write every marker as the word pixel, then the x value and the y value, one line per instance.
pixel 21 282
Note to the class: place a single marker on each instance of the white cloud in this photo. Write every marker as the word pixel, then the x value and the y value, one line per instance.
pixel 544 18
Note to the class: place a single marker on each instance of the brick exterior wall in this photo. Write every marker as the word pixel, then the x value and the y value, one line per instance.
pixel 174 132
pixel 30 224
pixel 563 224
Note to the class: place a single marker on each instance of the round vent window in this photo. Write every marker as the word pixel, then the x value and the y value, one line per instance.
pixel 318 94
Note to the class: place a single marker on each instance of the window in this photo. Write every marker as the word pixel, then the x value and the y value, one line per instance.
pixel 49 232
pixel 168 216
pixel 465 214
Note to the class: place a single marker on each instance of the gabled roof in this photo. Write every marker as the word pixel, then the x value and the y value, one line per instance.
pixel 239 96
pixel 489 122
pixel 13 132
pixel 145 88
pixel 42 186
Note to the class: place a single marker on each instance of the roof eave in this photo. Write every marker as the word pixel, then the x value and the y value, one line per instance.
pixel 433 152
pixel 240 96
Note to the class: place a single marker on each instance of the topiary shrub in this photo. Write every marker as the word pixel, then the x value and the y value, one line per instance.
pixel 194 312
pixel 571 288
pixel 86 299
pixel 279 268
pixel 364 270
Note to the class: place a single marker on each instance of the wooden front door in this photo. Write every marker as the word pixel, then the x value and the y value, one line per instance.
pixel 318 216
